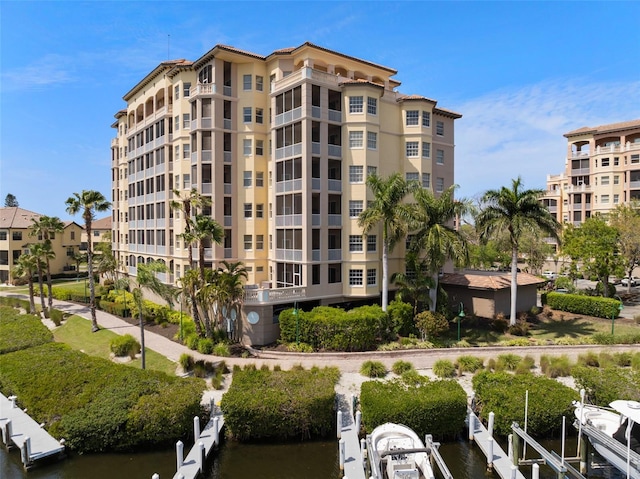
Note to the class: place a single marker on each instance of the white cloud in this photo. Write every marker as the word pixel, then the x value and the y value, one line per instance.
pixel 510 133
pixel 48 70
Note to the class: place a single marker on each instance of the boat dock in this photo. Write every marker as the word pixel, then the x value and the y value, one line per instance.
pixel 21 431
pixel 192 466
pixel 352 457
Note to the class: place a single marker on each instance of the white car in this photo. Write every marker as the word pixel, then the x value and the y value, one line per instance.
pixel 633 281
pixel 550 275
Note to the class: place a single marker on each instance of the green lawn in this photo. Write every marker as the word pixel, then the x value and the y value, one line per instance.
pixel 76 332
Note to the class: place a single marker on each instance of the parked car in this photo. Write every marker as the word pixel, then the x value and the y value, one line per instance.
pixel 550 275
pixel 633 281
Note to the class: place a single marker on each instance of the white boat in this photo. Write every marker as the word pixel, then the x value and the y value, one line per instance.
pixel 614 433
pixel 396 452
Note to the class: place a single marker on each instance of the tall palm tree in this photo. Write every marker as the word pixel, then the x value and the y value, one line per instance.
pixel 415 284
pixel 434 234
pixel 191 283
pixel 388 208
pixel 43 253
pixel 45 227
pixel 89 202
pixel 514 211
pixel 187 204
pixel 27 266
pixel 231 292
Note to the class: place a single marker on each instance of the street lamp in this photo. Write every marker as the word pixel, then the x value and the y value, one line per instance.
pixel 613 315
pixel 460 316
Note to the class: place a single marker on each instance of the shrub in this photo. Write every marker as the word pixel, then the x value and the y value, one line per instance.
pixel 500 324
pixel 186 362
pixel 589 359
pixel 21 331
pixel 412 377
pixel 635 362
pixel 431 325
pixel 587 305
pixel 401 318
pixel 469 363
pixel 401 367
pixel 434 407
pixel 56 316
pixel 125 345
pixel 555 366
pixel 508 361
pixel 373 369
pixel 192 341
pixel 205 345
pixel 521 328
pixel 299 348
pixel 443 368
pixel 606 385
pixel 221 349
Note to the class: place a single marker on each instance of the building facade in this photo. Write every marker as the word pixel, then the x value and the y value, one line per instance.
pixel 282 145
pixel 602 170
pixel 15 240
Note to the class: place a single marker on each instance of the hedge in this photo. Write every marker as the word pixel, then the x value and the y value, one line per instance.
pixel 587 305
pixel 99 406
pixel 282 405
pixel 333 329
pixel 504 394
pixel 21 331
pixel 604 385
pixel 434 407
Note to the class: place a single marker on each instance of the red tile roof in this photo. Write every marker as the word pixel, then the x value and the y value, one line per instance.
pixel 488 280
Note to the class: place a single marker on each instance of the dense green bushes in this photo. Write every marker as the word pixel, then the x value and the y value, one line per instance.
pixel 21 331
pixel 97 405
pixel 582 304
pixel 296 404
pixel 504 394
pixel 334 329
pixel 608 384
pixel 125 345
pixel 428 407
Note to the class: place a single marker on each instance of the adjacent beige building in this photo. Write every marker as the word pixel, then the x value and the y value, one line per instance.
pixel 282 144
pixel 100 232
pixel 15 240
pixel 602 170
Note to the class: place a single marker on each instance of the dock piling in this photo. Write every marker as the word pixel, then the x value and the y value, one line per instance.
pixel 535 472
pixel 202 457
pixel 6 433
pixel 342 454
pixel 358 420
pixel 472 424
pixel 216 432
pixel 26 451
pixel 179 454
pixel 339 428
pixel 196 428
pixel 155 476
pixel 492 418
pixel 490 454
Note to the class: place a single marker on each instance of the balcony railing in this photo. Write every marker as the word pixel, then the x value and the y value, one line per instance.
pixel 315 220
pixel 288 116
pixel 335 185
pixel 288 220
pixel 288 185
pixel 289 254
pixel 290 150
pixel 335 150
pixel 335 255
pixel 335 220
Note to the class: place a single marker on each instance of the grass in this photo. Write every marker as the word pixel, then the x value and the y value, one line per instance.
pixel 76 332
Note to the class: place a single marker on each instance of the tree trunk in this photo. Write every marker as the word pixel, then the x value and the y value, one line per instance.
pixel 385 273
pixel 514 285
pixel 433 293
pixel 92 286
pixel 49 285
pixel 142 355
pixel 32 301
pixel 41 284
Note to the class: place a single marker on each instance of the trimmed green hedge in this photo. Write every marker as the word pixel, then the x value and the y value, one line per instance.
pixel 587 305
pixel 504 394
pixel 283 405
pixel 604 385
pixel 333 329
pixel 21 331
pixel 99 406
pixel 435 407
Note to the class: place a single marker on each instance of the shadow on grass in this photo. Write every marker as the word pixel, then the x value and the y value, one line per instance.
pixel 567 328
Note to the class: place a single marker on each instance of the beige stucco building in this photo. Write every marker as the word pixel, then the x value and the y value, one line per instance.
pixel 282 144
pixel 100 232
pixel 602 170
pixel 15 239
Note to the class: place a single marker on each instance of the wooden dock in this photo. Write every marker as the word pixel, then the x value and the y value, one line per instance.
pixel 351 449
pixel 192 465
pixel 20 430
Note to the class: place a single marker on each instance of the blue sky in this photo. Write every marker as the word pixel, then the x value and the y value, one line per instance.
pixel 521 73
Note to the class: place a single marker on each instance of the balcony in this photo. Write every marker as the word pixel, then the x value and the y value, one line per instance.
pixel 227 156
pixel 335 150
pixel 335 255
pixel 315 255
pixel 579 154
pixel 289 254
pixel 206 188
pixel 578 188
pixel 288 185
pixel 208 254
pixel 335 185
pixel 227 188
pixel 315 183
pixel 200 89
pixel 316 112
pixel 288 220
pixel 201 123
pixel 335 220
pixel 288 151
pixel 227 124
pixel 228 220
pixel 288 116
pixel 315 220
pixel 579 171
pixel 278 295
pixel 335 115
pixel 315 148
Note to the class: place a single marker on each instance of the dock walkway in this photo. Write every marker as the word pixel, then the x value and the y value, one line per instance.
pixel 194 462
pixel 17 426
pixel 349 433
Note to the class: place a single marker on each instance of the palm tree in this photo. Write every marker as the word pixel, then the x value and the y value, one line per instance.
pixel 205 228
pixel 388 208
pixel 147 278
pixel 26 266
pixel 45 227
pixel 191 283
pixel 514 211
pixel 434 234
pixel 106 263
pixel 89 202
pixel 187 204
pixel 231 291
pixel 43 252
pixel 415 284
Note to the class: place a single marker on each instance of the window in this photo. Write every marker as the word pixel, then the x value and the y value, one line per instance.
pixel 372 140
pixel 177 92
pixel 355 277
pixel 315 274
pixel 426 149
pixel 246 147
pixel 616 161
pixel 616 180
pixel 260 178
pixel 176 122
pixel 412 117
pixel 186 181
pixel 371 277
pixel 372 106
pixel 73 235
pixel 247 178
pixel 186 121
pixel 372 170
pixel 248 210
pixel 440 157
pixel 355 139
pixel 426 118
pixel 412 149
pixel 604 198
pixel 635 159
pixel 355 208
pixel 259 115
pixel 426 180
pixel 259 147
pixel 186 150
pixel 355 104
pixel 3 236
pixel 355 243
pixel 186 89
pixel 372 241
pixel 439 185
pixel 356 174
pixel 246 82
pixel 260 210
pixel 246 114
pixel 616 199
pixel 604 180
pixel 335 273
pixel 439 128
pixel 248 242
pixel 97 232
pixel 605 162
pixel 259 83
pixel 412 176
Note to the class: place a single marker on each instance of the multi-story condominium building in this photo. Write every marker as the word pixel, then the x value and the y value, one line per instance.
pixel 15 239
pixel 602 170
pixel 282 145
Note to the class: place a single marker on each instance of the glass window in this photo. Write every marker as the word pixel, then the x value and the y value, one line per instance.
pixel 426 149
pixel 259 83
pixel 439 185
pixel 176 122
pixel 355 243
pixel 177 92
pixel 186 121
pixel 186 181
pixel 246 114
pixel 604 199
pixel 247 178
pixel 186 150
pixel 355 277
pixel 413 117
pixel 372 170
pixel 16 235
pixel 260 210
pixel 440 157
pixel 372 140
pixel 604 180
pixel 186 89
pixel 412 176
pixel 616 180
pixel 426 118
pixel 412 149
pixel 605 162
pixel 356 174
pixel 372 243
pixel 371 277
pixel 372 106
pixel 259 115
pixel 355 104
pixel 246 82
pixel 248 210
pixel 246 147
pixel 259 241
pixel 355 208
pixel 355 139
pixel 260 147
pixel 260 178
pixel 439 128
pixel 426 180
pixel 248 242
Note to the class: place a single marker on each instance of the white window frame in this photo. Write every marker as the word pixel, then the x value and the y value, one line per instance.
pixel 439 184
pixel 372 277
pixel 248 241
pixel 260 147
pixel 372 140
pixel 259 83
pixel 440 157
pixel 372 243
pixel 356 104
pixel 247 80
pixel 356 277
pixel 372 105
pixel 426 149
pixel 412 118
pixel 426 180
pixel 440 128
pixel 247 113
pixel 355 244
pixel 260 210
pixel 355 208
pixel 259 179
pixel 412 176
pixel 246 146
pixel 411 149
pixel 356 139
pixel 248 210
pixel 356 174
pixel 426 118
pixel 247 178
